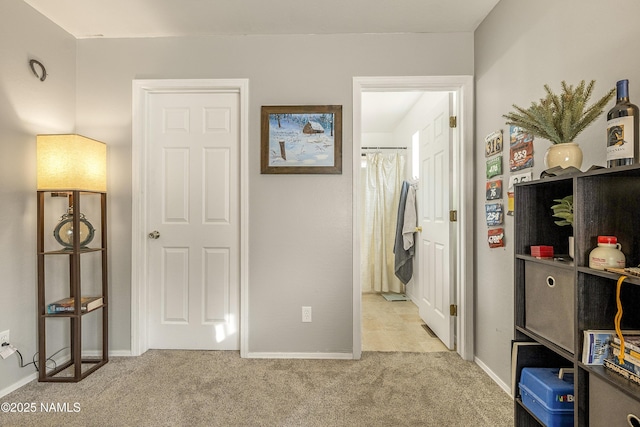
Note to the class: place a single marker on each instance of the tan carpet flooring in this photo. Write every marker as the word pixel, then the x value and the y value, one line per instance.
pixel 203 388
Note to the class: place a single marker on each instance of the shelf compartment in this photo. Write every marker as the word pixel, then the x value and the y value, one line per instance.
pixel 597 302
pixel 534 217
pixel 607 203
pixel 532 354
pixel 549 303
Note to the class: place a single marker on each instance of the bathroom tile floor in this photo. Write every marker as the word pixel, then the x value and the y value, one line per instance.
pixel 394 326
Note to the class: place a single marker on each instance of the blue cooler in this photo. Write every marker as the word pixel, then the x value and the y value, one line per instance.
pixel 547 396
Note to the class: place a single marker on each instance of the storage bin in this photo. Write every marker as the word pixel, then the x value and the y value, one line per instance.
pixel 549 310
pixel 548 397
pixel 609 406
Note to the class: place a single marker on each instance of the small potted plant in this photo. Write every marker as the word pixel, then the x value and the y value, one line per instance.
pixel 560 119
pixel 563 209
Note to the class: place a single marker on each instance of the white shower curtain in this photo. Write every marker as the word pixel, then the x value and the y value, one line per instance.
pixel 382 181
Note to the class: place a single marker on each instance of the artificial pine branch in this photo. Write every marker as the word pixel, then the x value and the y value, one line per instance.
pixel 560 118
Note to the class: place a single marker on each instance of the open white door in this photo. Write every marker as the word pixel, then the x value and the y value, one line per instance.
pixel 435 254
pixel 462 171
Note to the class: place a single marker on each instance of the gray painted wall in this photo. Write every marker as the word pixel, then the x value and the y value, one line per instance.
pixel 300 226
pixel 27 107
pixel 519 47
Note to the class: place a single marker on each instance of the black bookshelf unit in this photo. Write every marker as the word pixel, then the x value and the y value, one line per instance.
pixel 573 297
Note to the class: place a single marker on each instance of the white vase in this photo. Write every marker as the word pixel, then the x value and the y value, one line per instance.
pixel 571 252
pixel 565 155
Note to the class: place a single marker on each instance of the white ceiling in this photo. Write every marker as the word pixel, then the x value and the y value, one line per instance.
pixel 381 112
pixel 157 18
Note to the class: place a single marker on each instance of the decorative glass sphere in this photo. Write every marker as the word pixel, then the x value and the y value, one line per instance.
pixel 64 231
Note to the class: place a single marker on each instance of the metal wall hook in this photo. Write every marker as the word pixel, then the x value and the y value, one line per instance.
pixel 32 64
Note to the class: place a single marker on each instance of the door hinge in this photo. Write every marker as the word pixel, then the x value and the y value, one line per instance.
pixel 453 216
pixel 453 310
pixel 453 121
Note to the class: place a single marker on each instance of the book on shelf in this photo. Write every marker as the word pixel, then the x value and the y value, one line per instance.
pixel 625 369
pixel 66 305
pixel 627 350
pixel 631 340
pixel 634 359
pixel 595 347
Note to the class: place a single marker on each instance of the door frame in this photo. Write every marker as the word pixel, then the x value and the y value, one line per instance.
pixel 139 284
pixel 463 187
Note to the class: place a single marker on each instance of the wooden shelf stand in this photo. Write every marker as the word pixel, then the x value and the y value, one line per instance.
pixel 74 366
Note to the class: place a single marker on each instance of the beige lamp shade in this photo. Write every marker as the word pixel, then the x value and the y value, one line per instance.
pixel 71 162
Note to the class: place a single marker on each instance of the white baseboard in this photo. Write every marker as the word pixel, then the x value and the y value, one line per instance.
pixel 59 360
pixel 22 382
pixel 112 353
pixel 504 386
pixel 120 353
pixel 259 355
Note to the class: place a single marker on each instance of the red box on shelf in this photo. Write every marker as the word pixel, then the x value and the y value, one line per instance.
pixel 542 251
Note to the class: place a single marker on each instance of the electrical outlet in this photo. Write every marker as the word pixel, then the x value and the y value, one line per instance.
pixel 4 337
pixel 306 314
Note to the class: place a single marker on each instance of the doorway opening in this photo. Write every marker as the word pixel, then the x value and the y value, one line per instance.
pixel 391 130
pixel 411 91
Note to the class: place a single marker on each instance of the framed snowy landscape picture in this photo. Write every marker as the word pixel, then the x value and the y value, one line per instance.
pixel 303 139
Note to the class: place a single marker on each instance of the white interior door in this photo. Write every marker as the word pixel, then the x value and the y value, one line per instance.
pixel 434 251
pixel 192 203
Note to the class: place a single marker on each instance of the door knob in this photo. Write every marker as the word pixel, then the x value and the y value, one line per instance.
pixel 154 234
pixel 418 230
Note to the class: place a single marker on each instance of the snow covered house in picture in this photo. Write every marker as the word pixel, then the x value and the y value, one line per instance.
pixel 312 127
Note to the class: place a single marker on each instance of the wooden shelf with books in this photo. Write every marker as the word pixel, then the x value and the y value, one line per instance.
pixel 73 330
pixel 559 301
pixel 66 306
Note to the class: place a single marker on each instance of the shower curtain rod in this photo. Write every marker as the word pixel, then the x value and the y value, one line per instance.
pixel 381 148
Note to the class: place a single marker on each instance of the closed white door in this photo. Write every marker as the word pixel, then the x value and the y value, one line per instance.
pixel 193 220
pixel 434 251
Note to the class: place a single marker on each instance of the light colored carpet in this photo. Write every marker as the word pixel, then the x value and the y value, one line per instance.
pixel 200 388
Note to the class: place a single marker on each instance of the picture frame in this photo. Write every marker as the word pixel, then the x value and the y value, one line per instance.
pixel 304 139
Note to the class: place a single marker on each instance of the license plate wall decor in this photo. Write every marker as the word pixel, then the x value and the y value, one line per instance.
pixel 494 190
pixel 521 149
pixel 494 167
pixel 493 143
pixel 494 214
pixel 495 236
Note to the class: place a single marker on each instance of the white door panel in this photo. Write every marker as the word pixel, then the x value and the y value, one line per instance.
pixel 193 202
pixel 435 276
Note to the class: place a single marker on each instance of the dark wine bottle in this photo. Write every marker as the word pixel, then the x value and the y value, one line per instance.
pixel 622 129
